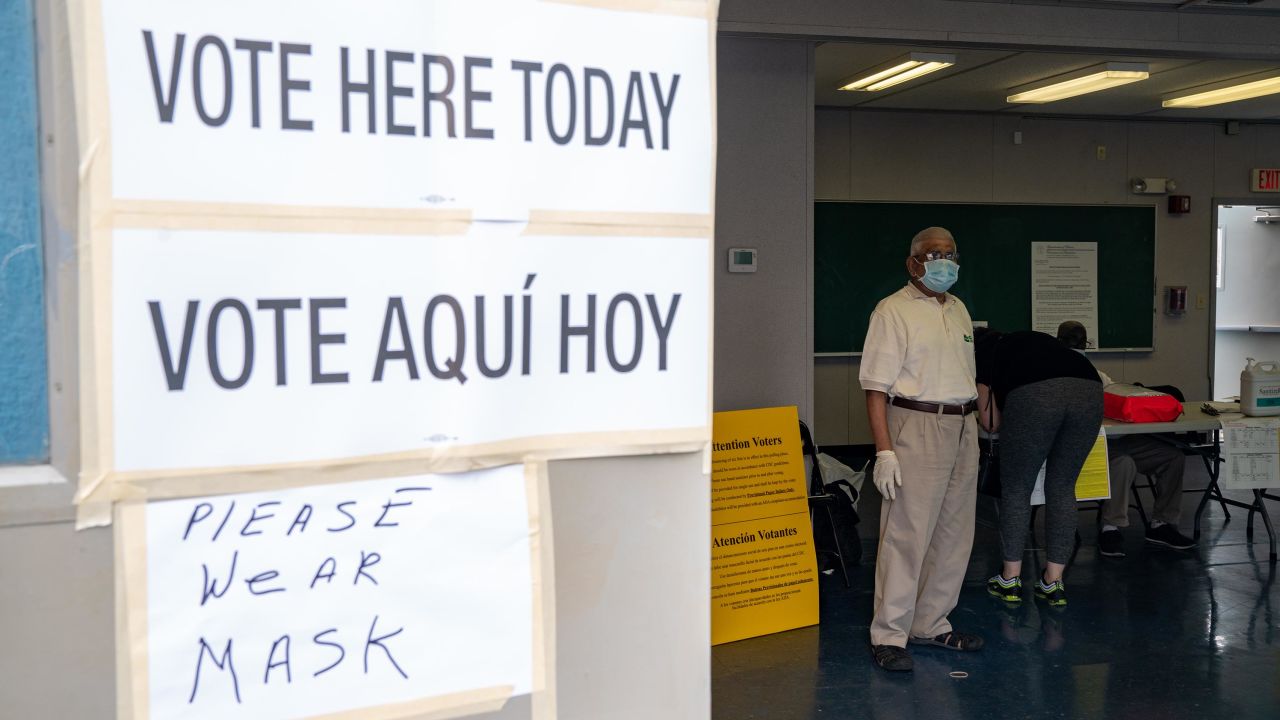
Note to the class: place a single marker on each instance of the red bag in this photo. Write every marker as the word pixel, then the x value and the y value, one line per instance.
pixel 1130 403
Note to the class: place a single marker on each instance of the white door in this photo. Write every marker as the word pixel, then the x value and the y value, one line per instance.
pixel 1247 305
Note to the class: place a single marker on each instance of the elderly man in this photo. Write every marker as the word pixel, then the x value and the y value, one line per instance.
pixel 1129 455
pixel 918 374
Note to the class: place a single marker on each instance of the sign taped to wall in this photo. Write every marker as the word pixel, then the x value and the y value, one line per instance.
pixel 399 595
pixel 307 347
pixel 419 104
pixel 391 242
pixel 320 259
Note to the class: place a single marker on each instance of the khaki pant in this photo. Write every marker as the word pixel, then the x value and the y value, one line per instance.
pixel 927 532
pixel 1135 454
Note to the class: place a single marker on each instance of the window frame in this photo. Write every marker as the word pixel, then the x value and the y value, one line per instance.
pixel 44 493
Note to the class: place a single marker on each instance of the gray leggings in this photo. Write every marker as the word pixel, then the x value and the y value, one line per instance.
pixel 1055 420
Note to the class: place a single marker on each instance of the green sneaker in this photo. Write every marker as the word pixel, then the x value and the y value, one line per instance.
pixel 1009 591
pixel 1055 593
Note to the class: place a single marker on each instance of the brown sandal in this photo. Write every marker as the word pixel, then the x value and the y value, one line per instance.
pixel 954 640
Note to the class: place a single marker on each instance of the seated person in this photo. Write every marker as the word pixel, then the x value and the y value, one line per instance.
pixel 1129 455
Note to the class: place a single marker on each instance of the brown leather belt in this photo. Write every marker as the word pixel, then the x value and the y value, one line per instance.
pixel 935 408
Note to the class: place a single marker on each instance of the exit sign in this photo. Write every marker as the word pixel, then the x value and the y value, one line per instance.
pixel 1266 180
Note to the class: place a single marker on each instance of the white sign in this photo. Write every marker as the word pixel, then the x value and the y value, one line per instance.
pixel 1251 453
pixel 240 348
pixel 503 105
pixel 306 602
pixel 1064 285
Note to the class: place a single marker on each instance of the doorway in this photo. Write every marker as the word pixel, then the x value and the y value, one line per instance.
pixel 1246 292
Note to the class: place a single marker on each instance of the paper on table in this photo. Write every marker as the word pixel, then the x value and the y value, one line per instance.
pixel 1251 453
pixel 1094 482
pixel 1220 408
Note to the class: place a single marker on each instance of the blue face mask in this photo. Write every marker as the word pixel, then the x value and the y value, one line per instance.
pixel 940 275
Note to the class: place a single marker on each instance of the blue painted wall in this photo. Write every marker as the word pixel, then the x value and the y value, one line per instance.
pixel 24 407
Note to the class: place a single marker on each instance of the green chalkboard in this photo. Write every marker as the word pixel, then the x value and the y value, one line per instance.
pixel 860 248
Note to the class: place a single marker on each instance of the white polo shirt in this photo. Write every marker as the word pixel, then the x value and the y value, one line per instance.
pixel 920 349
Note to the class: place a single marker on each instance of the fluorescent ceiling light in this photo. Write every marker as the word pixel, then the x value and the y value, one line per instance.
pixel 900 70
pixel 1091 79
pixel 1228 93
pixel 911 74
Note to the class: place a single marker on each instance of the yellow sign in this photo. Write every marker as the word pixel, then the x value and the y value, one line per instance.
pixel 1094 482
pixel 763 571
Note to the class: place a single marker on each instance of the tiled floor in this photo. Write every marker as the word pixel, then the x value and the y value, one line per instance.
pixel 1157 635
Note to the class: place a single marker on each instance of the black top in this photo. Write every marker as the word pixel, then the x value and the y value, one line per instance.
pixel 1009 361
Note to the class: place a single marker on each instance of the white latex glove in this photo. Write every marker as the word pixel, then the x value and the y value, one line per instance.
pixel 887 474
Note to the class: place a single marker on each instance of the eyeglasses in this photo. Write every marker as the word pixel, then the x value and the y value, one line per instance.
pixel 940 255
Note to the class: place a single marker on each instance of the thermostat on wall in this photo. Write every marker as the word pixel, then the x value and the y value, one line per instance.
pixel 742 260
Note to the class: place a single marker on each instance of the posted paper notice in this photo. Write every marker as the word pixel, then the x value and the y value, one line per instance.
pixel 763 569
pixel 1064 285
pixel 331 599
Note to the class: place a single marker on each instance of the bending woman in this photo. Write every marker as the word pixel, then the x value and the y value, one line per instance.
pixel 1045 400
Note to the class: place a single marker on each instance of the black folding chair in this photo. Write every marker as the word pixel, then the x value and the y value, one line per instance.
pixel 1191 443
pixel 819 498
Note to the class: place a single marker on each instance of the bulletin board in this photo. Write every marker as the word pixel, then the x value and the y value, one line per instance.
pixel 860 249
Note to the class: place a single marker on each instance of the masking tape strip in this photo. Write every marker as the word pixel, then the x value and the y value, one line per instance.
pixel 218 481
pixel 460 458
pixel 92 249
pixel 139 209
pixel 713 10
pixel 124 663
pixel 95 513
pixel 349 226
pixel 276 224
pixel 100 238
pixel 132 662
pixel 443 707
pixel 534 230
pixel 210 482
pixel 215 210
pixel 542 547
pixel 683 8
pixel 630 219
pixel 282 218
